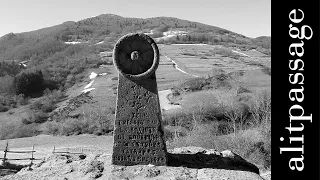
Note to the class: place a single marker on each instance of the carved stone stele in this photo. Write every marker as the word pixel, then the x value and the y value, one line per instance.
pixel 138 134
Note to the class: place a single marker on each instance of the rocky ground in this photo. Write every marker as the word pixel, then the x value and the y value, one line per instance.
pixel 190 163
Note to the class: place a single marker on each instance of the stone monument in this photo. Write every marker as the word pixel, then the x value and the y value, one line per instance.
pixel 138 134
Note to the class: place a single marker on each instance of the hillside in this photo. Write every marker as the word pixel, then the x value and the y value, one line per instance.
pixel 108 28
pixel 214 84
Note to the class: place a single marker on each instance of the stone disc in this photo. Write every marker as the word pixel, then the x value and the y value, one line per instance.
pixel 136 56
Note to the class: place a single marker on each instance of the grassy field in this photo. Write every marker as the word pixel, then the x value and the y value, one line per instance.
pixel 202 59
pixel 217 112
pixel 223 94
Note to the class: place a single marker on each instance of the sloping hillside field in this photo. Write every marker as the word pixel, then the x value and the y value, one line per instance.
pixel 203 60
pixel 58 87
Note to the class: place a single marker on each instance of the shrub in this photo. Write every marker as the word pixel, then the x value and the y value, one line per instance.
pixel 21 99
pixel 39 117
pixel 25 121
pixel 79 77
pixel 156 34
pixel 219 81
pixel 36 105
pixel 12 130
pixel 172 132
pixel 6 129
pixel 52 127
pixel 48 106
pixel 3 108
pixel 162 28
pixel 224 128
pixel 25 131
pixel 241 90
pixel 248 144
pixel 74 127
pixel 51 84
pixel 92 121
pixel 7 84
pixel 74 49
pixel 175 92
pixel 77 70
pixel 28 83
pixel 7 100
pixel 104 62
pixel 35 117
pixel 48 101
pixel 194 84
pixel 9 68
pixel 57 95
pixel 261 108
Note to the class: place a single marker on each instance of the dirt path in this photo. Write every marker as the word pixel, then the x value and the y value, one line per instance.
pixel 177 67
pixel 164 102
pixel 43 145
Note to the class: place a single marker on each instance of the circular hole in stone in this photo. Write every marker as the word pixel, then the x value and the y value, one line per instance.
pixel 134 55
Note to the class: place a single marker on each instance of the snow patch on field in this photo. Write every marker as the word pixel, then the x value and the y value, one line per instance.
pixel 23 63
pixel 99 43
pixel 73 42
pixel 168 34
pixel 93 75
pixel 171 33
pixel 88 90
pixel 177 67
pixel 150 33
pixel 89 85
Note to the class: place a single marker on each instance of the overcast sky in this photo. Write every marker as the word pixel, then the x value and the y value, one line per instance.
pixel 251 18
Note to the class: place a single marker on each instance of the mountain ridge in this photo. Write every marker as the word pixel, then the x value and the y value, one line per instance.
pixel 121 17
pixel 109 27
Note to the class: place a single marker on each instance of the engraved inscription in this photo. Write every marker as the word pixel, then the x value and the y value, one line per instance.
pixel 139 144
pixel 141 152
pixel 134 122
pixel 140 159
pixel 149 137
pixel 144 137
pixel 130 122
pixel 139 115
pixel 137 130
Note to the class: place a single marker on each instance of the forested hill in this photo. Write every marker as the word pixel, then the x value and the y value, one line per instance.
pixel 107 28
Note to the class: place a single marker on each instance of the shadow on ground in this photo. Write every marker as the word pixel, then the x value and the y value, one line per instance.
pixel 10 169
pixel 200 160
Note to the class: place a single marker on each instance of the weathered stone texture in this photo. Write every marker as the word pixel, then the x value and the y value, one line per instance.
pixel 138 136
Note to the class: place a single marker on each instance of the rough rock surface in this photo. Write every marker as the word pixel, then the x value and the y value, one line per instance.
pixel 190 163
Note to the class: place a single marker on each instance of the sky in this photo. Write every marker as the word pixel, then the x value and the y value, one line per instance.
pixel 251 18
